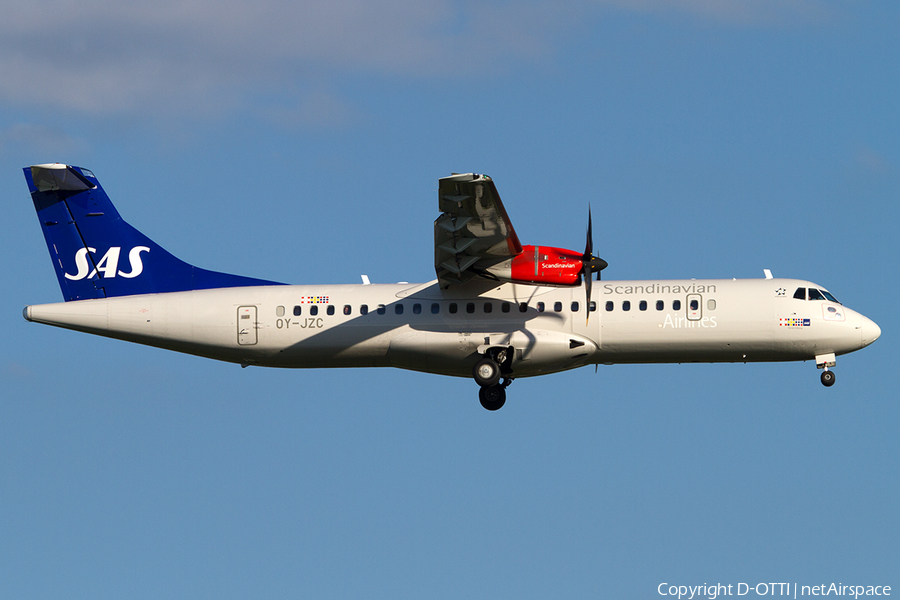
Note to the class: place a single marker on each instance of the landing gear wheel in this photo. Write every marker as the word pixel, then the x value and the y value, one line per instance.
pixel 828 378
pixel 492 397
pixel 486 372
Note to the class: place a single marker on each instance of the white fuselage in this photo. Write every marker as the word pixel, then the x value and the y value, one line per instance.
pixel 424 328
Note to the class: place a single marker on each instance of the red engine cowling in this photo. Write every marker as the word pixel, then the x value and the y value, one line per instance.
pixel 541 265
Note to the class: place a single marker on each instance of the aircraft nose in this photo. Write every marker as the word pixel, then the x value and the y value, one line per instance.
pixel 870 331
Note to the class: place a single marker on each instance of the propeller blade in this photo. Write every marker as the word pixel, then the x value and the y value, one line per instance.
pixel 587 292
pixel 590 264
pixel 589 245
pixel 586 268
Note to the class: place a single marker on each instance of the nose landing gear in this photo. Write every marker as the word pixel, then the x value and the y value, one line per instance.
pixel 823 361
pixel 487 374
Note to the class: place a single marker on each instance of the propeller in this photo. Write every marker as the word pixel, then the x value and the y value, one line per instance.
pixel 590 264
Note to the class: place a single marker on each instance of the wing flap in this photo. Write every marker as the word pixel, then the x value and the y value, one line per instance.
pixel 473 231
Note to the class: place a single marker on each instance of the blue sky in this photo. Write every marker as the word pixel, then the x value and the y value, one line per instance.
pixel 303 143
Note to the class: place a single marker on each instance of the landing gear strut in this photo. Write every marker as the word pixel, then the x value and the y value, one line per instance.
pixel 487 374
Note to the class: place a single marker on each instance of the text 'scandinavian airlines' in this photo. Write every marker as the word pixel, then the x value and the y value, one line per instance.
pixel 496 311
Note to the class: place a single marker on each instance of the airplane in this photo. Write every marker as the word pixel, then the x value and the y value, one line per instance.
pixel 496 311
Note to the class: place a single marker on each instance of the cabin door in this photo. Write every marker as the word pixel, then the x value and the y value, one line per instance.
pixel 694 307
pixel 246 325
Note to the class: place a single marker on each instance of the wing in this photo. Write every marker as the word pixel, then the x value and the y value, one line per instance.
pixel 473 232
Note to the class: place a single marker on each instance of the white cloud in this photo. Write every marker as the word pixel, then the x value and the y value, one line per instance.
pixel 316 109
pixel 38 141
pixel 156 56
pixel 734 12
pixel 872 162
pixel 15 370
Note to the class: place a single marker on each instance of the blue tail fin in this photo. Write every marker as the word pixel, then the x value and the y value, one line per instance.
pixel 98 255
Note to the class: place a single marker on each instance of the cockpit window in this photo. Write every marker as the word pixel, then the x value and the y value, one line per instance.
pixel 828 295
pixel 815 294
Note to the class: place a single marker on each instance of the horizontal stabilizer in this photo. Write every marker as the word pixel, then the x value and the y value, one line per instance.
pixel 57 177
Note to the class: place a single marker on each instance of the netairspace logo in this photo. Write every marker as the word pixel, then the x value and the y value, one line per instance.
pixel 792 590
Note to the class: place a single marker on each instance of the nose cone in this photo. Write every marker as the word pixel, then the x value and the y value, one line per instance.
pixel 869 330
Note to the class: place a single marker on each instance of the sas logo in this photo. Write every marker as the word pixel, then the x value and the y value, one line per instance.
pixel 109 264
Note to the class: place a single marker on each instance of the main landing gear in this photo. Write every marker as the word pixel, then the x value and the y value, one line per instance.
pixel 488 371
pixel 827 378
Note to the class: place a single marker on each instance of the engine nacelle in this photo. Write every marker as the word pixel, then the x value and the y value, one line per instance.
pixel 541 265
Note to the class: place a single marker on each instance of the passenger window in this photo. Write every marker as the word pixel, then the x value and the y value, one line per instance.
pixel 676 304
pixel 800 294
pixel 711 304
pixel 592 307
pixel 453 308
pixel 660 305
pixel 417 309
pixel 398 309
pixel 380 310
pixel 626 305
pixel 314 310
pixel 695 304
pixel 364 309
pixel 435 308
pixel 297 311
pixel 574 307
pixel 643 305
pixel 523 307
pixel 505 307
pixel 815 294
pixel 330 309
pixel 488 307
pixel 347 309
pixel 279 311
pixel 557 306
pixel 470 307
pixel 609 306
pixel 540 307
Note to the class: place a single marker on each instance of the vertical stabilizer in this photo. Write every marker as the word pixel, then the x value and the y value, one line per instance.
pixel 95 253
